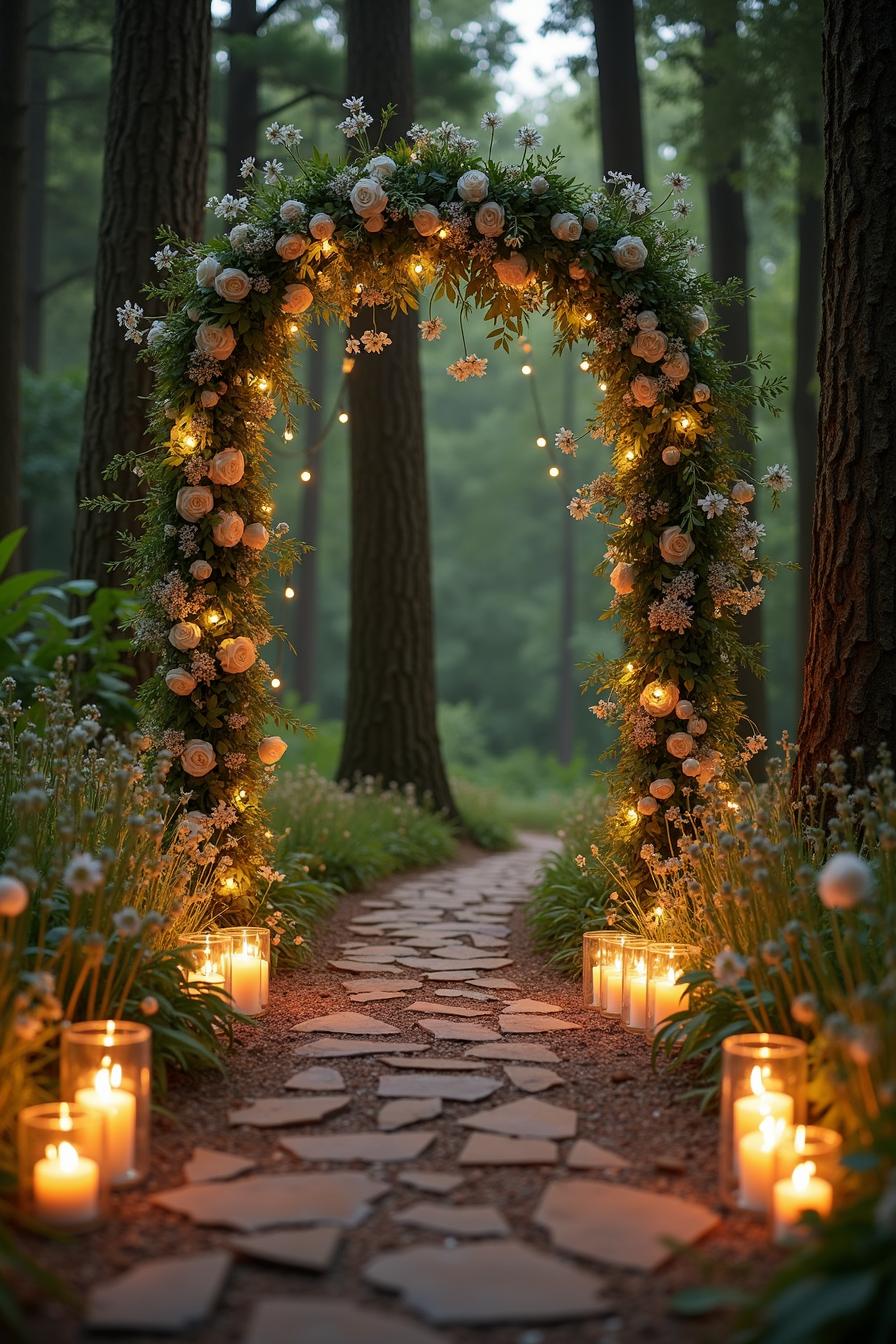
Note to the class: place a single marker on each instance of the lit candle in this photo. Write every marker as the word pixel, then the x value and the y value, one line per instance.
pixel 206 975
pixel 66 1186
pixel 667 996
pixel 118 1108
pixel 612 988
pixel 757 1158
pixel 637 995
pixel 750 1111
pixel 246 979
pixel 797 1194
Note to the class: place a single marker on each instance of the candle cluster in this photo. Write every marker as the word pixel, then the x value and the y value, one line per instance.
pixel 634 979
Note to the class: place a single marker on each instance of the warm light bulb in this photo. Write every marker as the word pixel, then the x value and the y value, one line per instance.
pixel 541 441
pixel 629 667
pixel 190 440
pixel 289 593
pixel 584 365
pixel 359 289
pixel 343 417
pixel 526 370
pixel 263 384
pixel 443 233
pixel 213 617
pixel 242 792
pixel 527 347
pixel 629 457
pixel 684 422
pixel 631 814
pixel 326 247
pixel 589 317
pixel 288 435
pixel 347 364
pixel 418 268
pixel 293 328
pixel 602 386
pixel 658 913
pixel 275 686
pixel 553 471
pixel 305 476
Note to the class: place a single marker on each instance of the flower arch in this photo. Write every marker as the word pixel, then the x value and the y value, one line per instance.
pixel 371 234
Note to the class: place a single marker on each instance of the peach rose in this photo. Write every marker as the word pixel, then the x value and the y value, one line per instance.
pixel 698 323
pixel 208 398
pixel 198 757
pixel 426 221
pixel 662 788
pixel 201 570
pixel 256 536
pixel 690 766
pixel 270 749
pixel 679 745
pixel 576 271
pixel 214 341
pixel 374 223
pixel 684 709
pixel 566 226
pixel 622 579
pixel 647 806
pixel 296 298
pixel 629 253
pixel 180 682
pixel 290 246
pixel 677 366
pixel 671 455
pixel 184 635
pixel 227 467
pixel 701 392
pixel 236 655
pixel 650 345
pixel 675 545
pixel 322 226
pixel 697 727
pixel 659 698
pixel 368 198
pixel 512 270
pixel 647 320
pixel 194 502
pixel 233 284
pixel 489 219
pixel 742 492
pixel 644 389
pixel 228 530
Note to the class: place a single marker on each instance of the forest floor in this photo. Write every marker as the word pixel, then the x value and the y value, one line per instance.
pixel 551 1244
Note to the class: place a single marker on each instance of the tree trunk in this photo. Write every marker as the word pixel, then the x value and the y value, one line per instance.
pixel 241 113
pixel 849 696
pixel 36 189
pixel 14 17
pixel 390 718
pixel 618 87
pixel 565 678
pixel 306 613
pixel 804 403
pixel 153 173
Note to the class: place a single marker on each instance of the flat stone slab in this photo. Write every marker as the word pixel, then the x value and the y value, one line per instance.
pixel 330 1047
pixel 426 1006
pixel 494 1150
pixel 530 1006
pixel 316 1079
pixel 272 1112
pixel 526 1024
pixel 277 1320
pixel 431 1182
pixel 362 985
pixel 468 965
pixel 458 1031
pixel 494 982
pixel 253 1202
pixel 455 1220
pixel 364 1146
pixel 361 966
pixel 348 1024
pixel 526 1119
pixel 163 1296
pixel 407 1111
pixel 434 1062
pixel 490 1283
pixel 617 1225
pixel 207 1164
pixel 528 1054
pixel 447 977
pixel 475 994
pixel 299 1247
pixel 585 1154
pixel 532 1079
pixel 377 995
pixel 450 1087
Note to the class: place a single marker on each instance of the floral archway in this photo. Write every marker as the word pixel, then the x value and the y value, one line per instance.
pixel 367 237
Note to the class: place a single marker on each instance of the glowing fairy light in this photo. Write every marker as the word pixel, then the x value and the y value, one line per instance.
pixel 554 471
pixel 288 435
pixel 584 365
pixel 541 441
pixel 275 683
pixel 289 593
pixel 305 476
pixel 526 370
pixel 343 417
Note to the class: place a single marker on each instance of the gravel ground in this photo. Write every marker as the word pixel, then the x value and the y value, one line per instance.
pixel 621 1101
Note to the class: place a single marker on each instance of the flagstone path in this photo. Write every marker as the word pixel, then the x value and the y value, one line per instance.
pixel 425 1139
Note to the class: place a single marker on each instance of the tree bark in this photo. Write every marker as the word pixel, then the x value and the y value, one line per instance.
pixel 241 114
pixel 153 173
pixel 618 87
pixel 36 188
pixel 849 696
pixel 306 608
pixel 14 18
pixel 390 717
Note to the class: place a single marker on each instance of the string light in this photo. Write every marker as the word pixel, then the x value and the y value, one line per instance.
pixel 602 386
pixel 293 328
pixel 541 441
pixel 347 364
pixel 326 247
pixel 267 508
pixel 589 317
pixel 684 422
pixel 288 435
pixel 629 457
pixel 190 440
pixel 554 471
pixel 359 289
pixel 275 686
pixel 305 476
pixel 418 268
pixel 584 365
pixel 629 667
pixel 212 617
pixel 631 815
pixel 241 793
pixel 343 417
pixel 263 384
pixel 526 370
pixel 289 593
pixel 527 347
pixel 443 233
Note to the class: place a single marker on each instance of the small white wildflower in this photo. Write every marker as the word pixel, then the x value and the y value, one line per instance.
pixel 844 882
pixel 713 504
pixel 694 247
pixel 431 329
pixel 681 209
pixel 272 172
pixel 164 258
pixel 491 121
pixel 127 922
pixel 247 167
pixel 83 873
pixel 527 137
pixel 777 478
pixel 728 969
pixel 565 441
pixel 677 181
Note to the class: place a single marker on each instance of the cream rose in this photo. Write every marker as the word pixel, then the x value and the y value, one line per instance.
pixel 227 467
pixel 380 167
pixel 697 727
pixel 650 345
pixel 742 492
pixel 701 392
pixel 512 270
pixel 644 389
pixel 292 211
pixel 690 766
pixel 290 246
pixel 228 530
pixel 201 570
pixel 256 536
pixel 565 226
pixel 236 655
pixel 214 341
pixel 629 253
pixel 296 298
pixel 194 502
pixel 198 758
pixel 368 198
pixel 677 366
pixel 232 284
pixel 659 698
pixel 647 806
pixel 180 682
pixel 322 226
pixel 240 235
pixel 539 185
pixel 662 789
pixel 375 223
pixel 590 221
pixel 206 271
pixel 490 219
pixel 426 221
pixel 684 709
pixel 698 322
pixel 13 896
pixel 622 579
pixel 679 745
pixel 671 455
pixel 208 398
pixel 472 185
pixel 647 320
pixel 675 545
pixel 184 635
pixel 270 749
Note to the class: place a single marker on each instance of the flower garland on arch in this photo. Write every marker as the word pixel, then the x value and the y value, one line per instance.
pixel 369 235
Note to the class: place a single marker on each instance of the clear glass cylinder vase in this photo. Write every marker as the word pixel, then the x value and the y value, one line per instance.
pixel 250 961
pixel 634 984
pixel 666 962
pixel 591 969
pixel 609 955
pixel 763 1094
pixel 208 961
pixel 106 1067
pixel 62 1171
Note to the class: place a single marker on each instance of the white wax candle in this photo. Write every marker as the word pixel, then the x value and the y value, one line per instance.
pixel 118 1107
pixel 637 998
pixel 795 1195
pixel 66 1187
pixel 612 990
pixel 750 1111
pixel 245 972
pixel 667 999
pixel 595 985
pixel 757 1162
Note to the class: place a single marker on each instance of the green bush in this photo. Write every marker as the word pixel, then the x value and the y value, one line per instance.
pixel 572 893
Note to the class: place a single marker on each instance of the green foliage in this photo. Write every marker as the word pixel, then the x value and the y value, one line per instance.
pixel 484 817
pixel 571 895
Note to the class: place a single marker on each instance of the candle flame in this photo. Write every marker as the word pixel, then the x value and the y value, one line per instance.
pixel 772 1132
pixel 109 1038
pixel 670 973
pixel 757 1086
pixel 65 1156
pixel 641 967
pixel 65 1119
pixel 617 964
pixel 802 1175
pixel 208 969
pixel 799 1139
pixel 107 1078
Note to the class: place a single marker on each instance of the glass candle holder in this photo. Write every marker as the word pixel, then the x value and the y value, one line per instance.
pixel 208 961
pixel 763 1095
pixel 106 1067
pixel 61 1168
pixel 591 969
pixel 251 966
pixel 609 956
pixel 810 1143
pixel 634 983
pixel 665 964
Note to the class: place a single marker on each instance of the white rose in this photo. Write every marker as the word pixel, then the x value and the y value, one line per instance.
pixel 426 221
pixel 256 536
pixel 742 492
pixel 201 570
pixel 701 392
pixel 13 896
pixel 490 219
pixel 228 530
pixel 270 749
pixel 375 223
pixel 472 185
pixel 677 366
pixel 296 298
pixel 194 502
pixel 198 757
pixel 698 322
pixel 644 389
pixel 206 271
pixel 662 788
pixel 368 198
pixel 679 745
pixel 622 579
pixel 233 284
pixel 292 211
pixel 290 246
pixel 650 345
pixel 565 226
pixel 180 682
pixel 208 398
pixel 380 167
pixel 155 332
pixel 214 341
pixel 675 546
pixel 629 253
pixel 539 185
pixel 239 236
pixel 236 655
pixel 227 467
pixel 647 320
pixel 590 221
pixel 322 226
pixel 184 635
pixel 512 270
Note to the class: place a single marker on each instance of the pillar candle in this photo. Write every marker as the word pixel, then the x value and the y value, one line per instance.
pixel 667 997
pixel 118 1108
pixel 637 996
pixel 245 971
pixel 795 1195
pixel 612 988
pixel 757 1162
pixel 66 1187
pixel 750 1111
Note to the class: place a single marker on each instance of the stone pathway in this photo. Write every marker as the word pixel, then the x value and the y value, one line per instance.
pixel 379 1165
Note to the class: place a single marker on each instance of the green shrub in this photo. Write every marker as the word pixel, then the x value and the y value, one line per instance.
pixel 572 894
